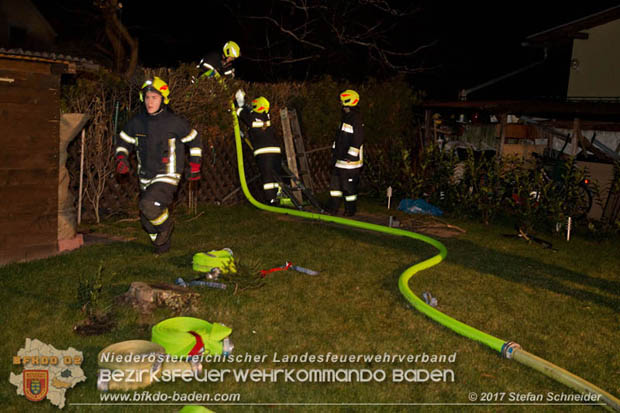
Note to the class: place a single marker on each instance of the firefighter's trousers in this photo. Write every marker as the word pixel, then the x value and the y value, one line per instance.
pixel 270 167
pixel 154 214
pixel 344 184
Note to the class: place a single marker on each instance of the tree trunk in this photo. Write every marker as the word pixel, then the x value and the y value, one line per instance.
pixel 122 42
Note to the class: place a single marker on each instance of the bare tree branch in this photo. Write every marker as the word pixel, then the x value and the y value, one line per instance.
pixel 287 31
pixel 284 60
pixel 339 33
pixel 417 50
pixel 304 5
pixel 385 7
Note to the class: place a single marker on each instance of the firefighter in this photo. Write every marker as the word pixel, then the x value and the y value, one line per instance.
pixel 215 65
pixel 267 152
pixel 347 156
pixel 159 138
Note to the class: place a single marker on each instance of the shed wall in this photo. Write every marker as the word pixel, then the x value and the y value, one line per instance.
pixel 29 138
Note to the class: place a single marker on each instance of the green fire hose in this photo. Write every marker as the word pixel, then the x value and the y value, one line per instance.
pixel 178 336
pixel 508 349
pixel 195 409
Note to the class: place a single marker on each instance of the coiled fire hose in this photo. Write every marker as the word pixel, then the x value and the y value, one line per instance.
pixel 136 359
pixel 183 336
pixel 507 349
pixel 139 361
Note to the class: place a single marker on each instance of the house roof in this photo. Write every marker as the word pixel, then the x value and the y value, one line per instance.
pixel 24 14
pixel 75 63
pixel 571 30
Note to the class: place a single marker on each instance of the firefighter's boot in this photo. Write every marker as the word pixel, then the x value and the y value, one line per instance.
pixel 164 234
pixel 349 209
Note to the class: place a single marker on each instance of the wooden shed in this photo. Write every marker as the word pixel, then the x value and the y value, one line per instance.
pixel 29 159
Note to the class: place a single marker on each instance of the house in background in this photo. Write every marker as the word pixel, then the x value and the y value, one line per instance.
pixel 595 60
pixel 591 104
pixel 584 122
pixel 23 27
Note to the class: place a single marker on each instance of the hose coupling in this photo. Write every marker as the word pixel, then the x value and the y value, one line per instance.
pixel 508 349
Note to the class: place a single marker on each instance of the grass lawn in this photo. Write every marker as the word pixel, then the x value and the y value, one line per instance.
pixel 562 306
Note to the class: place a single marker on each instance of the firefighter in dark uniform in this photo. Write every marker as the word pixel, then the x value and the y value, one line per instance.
pixel 348 156
pixel 159 138
pixel 214 65
pixel 267 152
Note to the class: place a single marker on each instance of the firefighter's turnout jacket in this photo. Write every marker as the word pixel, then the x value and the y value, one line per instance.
pixel 348 148
pixel 211 66
pixel 261 133
pixel 348 159
pixel 159 141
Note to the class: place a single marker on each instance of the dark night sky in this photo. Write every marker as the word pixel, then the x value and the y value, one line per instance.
pixel 476 40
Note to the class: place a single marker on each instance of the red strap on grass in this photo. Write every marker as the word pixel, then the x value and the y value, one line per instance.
pixel 283 268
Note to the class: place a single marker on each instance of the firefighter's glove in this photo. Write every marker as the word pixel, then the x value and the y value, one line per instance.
pixel 240 98
pixel 122 165
pixel 194 171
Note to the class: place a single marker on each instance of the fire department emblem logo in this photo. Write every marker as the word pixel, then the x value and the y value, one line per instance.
pixel 47 372
pixel 35 384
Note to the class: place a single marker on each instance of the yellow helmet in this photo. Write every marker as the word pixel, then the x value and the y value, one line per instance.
pixel 260 105
pixel 349 98
pixel 231 49
pixel 155 85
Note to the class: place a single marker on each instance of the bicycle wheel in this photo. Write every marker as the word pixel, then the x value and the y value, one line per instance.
pixel 583 201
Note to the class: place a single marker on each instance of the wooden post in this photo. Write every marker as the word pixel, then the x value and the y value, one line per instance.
pixel 79 211
pixel 427 127
pixel 576 132
pixel 189 197
pixel 192 197
pixel 549 142
pixel 502 132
